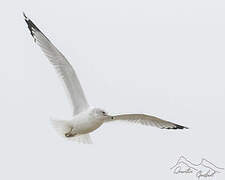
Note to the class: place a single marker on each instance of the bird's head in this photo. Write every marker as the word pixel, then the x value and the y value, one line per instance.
pixel 99 113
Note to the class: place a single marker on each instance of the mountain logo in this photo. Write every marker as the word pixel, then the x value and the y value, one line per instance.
pixel 204 169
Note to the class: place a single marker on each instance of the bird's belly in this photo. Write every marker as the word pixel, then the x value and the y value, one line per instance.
pixel 84 127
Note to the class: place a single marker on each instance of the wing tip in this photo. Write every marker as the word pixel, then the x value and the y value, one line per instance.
pixel 25 17
pixel 176 126
pixel 31 26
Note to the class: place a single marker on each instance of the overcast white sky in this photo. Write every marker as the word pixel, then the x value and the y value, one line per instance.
pixel 160 57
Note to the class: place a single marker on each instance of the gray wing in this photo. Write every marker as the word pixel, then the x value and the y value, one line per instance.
pixel 146 120
pixel 63 68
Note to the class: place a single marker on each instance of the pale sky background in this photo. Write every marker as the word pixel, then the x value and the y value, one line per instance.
pixel 160 57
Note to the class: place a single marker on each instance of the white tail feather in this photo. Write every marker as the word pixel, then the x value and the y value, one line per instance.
pixel 82 138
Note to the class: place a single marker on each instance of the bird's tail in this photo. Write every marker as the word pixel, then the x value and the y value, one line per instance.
pixel 63 126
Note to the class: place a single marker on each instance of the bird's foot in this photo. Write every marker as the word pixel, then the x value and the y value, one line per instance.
pixel 69 134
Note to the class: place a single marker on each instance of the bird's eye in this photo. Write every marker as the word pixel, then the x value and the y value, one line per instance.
pixel 103 112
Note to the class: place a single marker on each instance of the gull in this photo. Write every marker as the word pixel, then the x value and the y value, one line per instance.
pixel 85 119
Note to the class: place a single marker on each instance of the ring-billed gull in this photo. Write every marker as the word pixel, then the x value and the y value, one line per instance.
pixel 85 118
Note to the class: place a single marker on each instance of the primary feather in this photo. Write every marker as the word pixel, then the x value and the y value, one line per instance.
pixel 147 120
pixel 64 69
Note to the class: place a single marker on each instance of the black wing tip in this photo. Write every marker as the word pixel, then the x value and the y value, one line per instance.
pixel 27 20
pixel 31 26
pixel 25 17
pixel 180 127
pixel 177 126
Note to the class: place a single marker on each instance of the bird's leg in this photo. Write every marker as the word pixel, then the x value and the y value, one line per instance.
pixel 69 134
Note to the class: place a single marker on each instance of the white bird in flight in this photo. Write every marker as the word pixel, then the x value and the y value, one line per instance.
pixel 85 118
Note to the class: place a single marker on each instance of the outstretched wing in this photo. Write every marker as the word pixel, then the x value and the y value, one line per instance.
pixel 146 120
pixel 64 69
